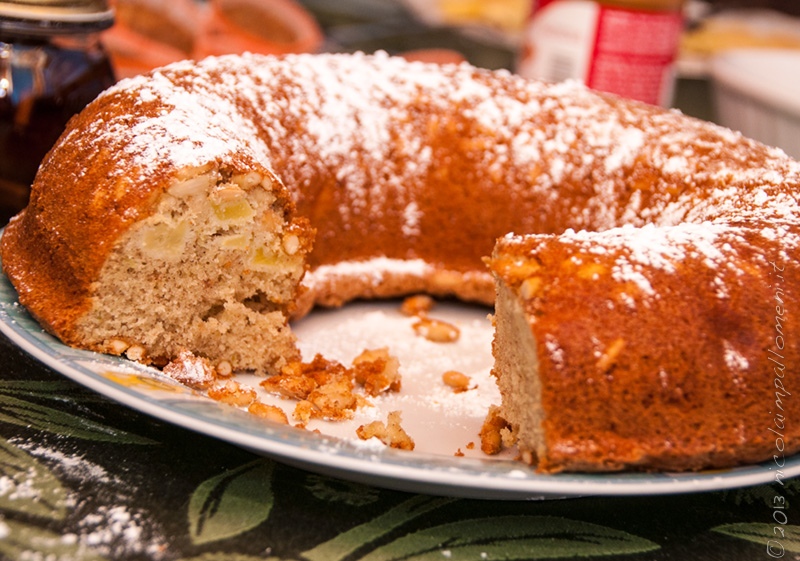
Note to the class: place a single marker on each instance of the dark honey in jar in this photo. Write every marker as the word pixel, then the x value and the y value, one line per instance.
pixel 51 66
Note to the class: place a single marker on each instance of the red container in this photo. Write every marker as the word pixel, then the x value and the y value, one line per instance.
pixel 626 47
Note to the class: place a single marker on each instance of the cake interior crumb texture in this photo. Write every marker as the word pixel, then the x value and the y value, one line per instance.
pixel 516 370
pixel 219 252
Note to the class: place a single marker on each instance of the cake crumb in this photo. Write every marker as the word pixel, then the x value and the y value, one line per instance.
pixel 268 412
pixel 495 433
pixel 326 389
pixel 377 371
pixel 191 370
pixel 298 379
pixel 390 433
pixel 233 393
pixel 137 353
pixel 302 413
pixel 332 401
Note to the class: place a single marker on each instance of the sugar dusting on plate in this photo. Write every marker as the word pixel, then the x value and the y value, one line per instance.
pixel 440 420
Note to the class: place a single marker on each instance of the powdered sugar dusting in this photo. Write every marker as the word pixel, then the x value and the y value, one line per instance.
pixel 372 121
pixel 112 531
pixel 411 216
pixel 734 360
pixel 375 269
pixel 638 253
pixel 173 134
pixel 117 531
pixel 75 466
pixel 555 351
pixel 642 249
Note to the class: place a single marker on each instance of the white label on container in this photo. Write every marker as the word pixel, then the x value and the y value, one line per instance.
pixel 622 51
pixel 559 41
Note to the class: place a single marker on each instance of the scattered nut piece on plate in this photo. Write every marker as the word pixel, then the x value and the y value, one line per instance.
pixel 458 381
pixel 418 305
pixel 436 330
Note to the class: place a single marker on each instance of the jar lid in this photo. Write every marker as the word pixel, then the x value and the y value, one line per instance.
pixel 54 17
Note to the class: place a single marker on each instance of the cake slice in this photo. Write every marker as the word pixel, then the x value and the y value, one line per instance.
pixel 211 267
pixel 638 348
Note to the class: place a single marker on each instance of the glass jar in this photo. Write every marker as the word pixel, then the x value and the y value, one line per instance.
pixel 625 47
pixel 51 66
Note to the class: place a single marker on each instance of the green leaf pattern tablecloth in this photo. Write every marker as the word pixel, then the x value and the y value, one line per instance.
pixel 84 478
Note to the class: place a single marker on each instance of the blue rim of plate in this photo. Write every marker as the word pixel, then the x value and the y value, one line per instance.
pixel 405 471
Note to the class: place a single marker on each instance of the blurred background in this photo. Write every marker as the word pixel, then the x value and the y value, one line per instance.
pixel 487 33
pixel 736 62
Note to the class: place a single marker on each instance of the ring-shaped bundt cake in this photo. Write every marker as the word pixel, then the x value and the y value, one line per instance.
pixel 644 314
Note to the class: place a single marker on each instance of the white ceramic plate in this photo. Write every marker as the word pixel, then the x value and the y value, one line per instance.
pixel 440 421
